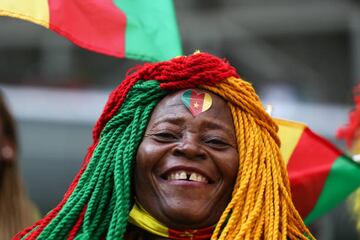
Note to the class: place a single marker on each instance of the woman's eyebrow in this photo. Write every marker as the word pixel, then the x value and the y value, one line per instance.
pixel 216 126
pixel 172 120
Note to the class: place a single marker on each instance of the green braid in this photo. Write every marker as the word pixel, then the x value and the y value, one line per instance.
pixel 104 187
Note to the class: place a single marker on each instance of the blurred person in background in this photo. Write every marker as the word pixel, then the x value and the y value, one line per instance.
pixel 16 210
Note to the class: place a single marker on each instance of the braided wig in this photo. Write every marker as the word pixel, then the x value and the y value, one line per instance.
pixel 97 204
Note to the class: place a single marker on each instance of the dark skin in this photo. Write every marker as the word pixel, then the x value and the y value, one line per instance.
pixel 186 165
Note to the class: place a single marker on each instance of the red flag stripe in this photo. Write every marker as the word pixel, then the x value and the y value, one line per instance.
pixel 308 169
pixel 82 23
pixel 196 102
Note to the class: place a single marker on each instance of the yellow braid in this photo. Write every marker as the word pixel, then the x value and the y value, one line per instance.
pixel 261 205
pixel 354 200
pixel 355 207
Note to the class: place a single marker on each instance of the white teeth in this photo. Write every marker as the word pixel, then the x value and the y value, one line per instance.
pixel 182 175
pixel 172 176
pixel 193 177
pixel 197 177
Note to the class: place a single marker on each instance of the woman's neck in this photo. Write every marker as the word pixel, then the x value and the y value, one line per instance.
pixel 143 226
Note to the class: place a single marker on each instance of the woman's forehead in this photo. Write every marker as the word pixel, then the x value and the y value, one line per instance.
pixel 173 107
pixel 176 99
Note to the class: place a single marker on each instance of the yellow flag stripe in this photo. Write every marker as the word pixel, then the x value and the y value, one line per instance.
pixel 36 11
pixel 289 134
pixel 207 102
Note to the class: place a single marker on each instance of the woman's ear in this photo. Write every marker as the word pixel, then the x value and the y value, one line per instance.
pixel 7 151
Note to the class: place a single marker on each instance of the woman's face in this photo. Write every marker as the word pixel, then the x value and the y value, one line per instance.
pixel 186 165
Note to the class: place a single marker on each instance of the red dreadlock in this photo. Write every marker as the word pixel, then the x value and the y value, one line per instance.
pixel 348 132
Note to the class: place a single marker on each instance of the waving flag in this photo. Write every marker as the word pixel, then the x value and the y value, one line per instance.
pixel 138 29
pixel 321 176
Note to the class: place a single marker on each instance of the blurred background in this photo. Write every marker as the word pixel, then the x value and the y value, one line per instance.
pixel 303 58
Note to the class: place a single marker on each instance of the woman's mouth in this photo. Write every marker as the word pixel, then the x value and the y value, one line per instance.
pixel 186 175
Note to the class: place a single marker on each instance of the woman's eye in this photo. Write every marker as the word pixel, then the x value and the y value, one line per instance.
pixel 165 136
pixel 217 143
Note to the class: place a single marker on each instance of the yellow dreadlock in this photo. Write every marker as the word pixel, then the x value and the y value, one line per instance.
pixel 261 205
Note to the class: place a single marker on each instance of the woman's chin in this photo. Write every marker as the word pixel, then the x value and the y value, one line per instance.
pixel 188 217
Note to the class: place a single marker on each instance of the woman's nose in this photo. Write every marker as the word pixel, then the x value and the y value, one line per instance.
pixel 190 147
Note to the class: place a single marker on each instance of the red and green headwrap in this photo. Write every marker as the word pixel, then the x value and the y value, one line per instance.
pixel 98 202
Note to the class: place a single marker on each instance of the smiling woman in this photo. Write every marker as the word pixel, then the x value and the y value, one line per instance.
pixel 183 150
pixel 187 164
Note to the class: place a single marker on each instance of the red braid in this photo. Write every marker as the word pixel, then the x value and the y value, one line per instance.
pixel 348 132
pixel 77 225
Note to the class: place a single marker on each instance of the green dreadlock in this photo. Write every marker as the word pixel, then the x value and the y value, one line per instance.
pixel 105 184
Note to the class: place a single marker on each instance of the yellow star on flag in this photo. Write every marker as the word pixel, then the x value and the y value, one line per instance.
pixel 196 105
